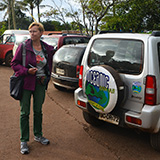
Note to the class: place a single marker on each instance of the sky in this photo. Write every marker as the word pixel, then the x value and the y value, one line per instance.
pixel 45 2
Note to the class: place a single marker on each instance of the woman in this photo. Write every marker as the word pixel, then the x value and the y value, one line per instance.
pixel 37 71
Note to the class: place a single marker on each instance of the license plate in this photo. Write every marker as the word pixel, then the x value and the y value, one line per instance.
pixel 60 71
pixel 109 118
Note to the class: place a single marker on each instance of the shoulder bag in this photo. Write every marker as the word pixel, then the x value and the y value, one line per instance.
pixel 16 83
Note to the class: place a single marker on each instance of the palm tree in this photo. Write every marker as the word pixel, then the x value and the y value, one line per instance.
pixel 25 4
pixel 31 4
pixel 38 2
pixel 9 7
pixel 5 5
pixel 38 10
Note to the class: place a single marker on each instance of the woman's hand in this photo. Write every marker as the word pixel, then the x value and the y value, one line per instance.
pixel 32 71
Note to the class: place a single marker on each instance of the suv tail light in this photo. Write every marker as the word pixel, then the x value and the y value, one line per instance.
pixel 80 76
pixel 150 90
pixel 77 71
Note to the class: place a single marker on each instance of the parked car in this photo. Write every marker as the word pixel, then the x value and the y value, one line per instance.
pixel 19 39
pixel 119 82
pixel 59 40
pixel 7 41
pixel 66 65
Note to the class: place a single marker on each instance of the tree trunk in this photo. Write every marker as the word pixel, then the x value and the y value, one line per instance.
pixel 86 28
pixel 96 27
pixel 38 10
pixel 13 13
pixel 9 20
pixel 32 14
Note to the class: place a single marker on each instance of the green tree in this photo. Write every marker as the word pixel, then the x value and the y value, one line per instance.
pixel 10 6
pixel 95 10
pixel 29 5
pixel 75 26
pixel 137 15
pixel 22 21
pixel 25 4
pixel 49 25
pixel 55 26
pixel 3 26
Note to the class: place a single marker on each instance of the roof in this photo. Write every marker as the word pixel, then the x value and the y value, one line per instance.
pixel 67 35
pixel 51 32
pixel 16 32
pixel 135 36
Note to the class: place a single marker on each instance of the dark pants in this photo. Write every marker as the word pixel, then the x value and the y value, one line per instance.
pixel 38 100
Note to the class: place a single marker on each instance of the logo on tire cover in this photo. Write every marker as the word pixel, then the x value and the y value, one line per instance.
pixel 98 90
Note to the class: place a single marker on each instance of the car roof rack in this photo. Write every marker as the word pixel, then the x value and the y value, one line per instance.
pixel 155 33
pixel 112 31
pixel 108 31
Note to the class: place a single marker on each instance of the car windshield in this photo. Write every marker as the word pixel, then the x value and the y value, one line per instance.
pixel 125 56
pixel 21 38
pixel 51 40
pixel 68 54
pixel 11 38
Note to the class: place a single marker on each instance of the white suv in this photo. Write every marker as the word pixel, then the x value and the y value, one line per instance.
pixel 119 82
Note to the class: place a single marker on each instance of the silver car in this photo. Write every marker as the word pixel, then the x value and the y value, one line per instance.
pixel 119 82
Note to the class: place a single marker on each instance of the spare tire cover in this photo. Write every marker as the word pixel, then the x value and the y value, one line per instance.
pixel 102 88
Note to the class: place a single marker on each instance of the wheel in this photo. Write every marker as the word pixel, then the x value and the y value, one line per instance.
pixel 8 59
pixel 92 120
pixel 155 141
pixel 59 87
pixel 104 88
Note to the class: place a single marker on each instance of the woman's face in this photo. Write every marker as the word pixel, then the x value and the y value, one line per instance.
pixel 35 33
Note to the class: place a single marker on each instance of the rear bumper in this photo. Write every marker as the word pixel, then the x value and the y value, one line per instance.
pixel 150 115
pixel 66 82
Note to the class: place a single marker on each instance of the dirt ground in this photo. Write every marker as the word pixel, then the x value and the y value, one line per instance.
pixel 71 138
pixel 67 138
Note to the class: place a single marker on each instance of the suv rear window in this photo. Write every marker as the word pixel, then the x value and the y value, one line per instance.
pixel 69 54
pixel 72 40
pixel 125 56
pixel 50 40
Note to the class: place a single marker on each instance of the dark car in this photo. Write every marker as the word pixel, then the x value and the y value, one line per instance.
pixel 66 66
pixel 59 40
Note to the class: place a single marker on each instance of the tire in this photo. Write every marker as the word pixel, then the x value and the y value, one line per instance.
pixel 8 59
pixel 155 141
pixel 104 88
pixel 92 120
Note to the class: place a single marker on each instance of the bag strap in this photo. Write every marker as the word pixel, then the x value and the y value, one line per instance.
pixel 24 54
pixel 47 72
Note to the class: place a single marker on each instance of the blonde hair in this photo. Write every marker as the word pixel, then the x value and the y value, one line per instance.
pixel 40 26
